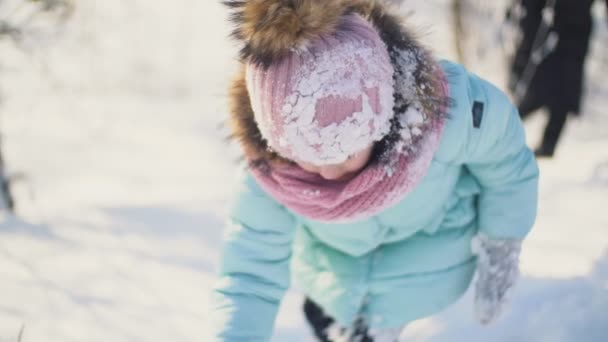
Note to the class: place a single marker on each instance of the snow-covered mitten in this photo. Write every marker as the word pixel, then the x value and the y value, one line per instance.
pixel 497 270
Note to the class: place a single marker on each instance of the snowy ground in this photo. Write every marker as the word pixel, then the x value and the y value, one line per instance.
pixel 116 129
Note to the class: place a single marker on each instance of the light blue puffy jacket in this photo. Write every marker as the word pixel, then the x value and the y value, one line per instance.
pixel 407 262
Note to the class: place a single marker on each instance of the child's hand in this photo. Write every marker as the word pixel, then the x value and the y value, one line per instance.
pixel 498 270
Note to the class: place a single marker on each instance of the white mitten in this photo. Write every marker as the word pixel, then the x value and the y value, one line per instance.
pixel 497 270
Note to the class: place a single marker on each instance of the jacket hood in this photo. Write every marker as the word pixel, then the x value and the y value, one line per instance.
pixel 269 29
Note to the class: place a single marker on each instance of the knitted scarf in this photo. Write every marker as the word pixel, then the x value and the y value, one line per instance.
pixel 376 187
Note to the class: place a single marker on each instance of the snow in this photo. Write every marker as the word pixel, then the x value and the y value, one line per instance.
pixel 115 127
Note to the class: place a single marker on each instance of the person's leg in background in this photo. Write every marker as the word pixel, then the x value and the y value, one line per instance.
pixel 528 105
pixel 553 130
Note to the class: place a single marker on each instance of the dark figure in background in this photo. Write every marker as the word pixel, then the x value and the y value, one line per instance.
pixel 548 67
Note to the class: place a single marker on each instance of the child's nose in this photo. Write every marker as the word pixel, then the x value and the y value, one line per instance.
pixel 331 172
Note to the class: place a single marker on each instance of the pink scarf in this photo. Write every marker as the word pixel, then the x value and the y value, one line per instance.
pixel 372 190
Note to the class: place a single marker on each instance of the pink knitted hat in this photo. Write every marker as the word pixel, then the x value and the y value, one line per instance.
pixel 328 100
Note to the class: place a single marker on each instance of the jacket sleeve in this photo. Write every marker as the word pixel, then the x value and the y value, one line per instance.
pixel 505 168
pixel 254 269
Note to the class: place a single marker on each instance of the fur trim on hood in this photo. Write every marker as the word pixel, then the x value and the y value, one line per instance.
pixel 269 29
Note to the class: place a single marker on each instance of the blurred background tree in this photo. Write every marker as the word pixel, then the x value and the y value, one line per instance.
pixel 24 24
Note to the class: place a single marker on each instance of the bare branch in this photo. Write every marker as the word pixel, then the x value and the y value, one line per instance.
pixel 20 337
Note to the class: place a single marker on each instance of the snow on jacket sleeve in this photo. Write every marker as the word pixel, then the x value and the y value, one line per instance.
pixel 254 270
pixel 498 157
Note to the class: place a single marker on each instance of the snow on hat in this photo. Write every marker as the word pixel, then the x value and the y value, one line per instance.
pixel 328 100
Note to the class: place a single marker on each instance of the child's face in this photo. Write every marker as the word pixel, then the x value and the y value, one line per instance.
pixel 342 171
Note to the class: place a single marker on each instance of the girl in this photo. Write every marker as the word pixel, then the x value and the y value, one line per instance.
pixel 372 170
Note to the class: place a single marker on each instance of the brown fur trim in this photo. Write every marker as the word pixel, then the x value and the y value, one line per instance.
pixel 264 42
pixel 271 28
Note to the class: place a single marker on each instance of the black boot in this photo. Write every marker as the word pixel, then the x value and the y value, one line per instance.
pixel 319 322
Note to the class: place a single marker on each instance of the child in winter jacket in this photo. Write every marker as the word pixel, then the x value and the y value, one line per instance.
pixel 378 179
